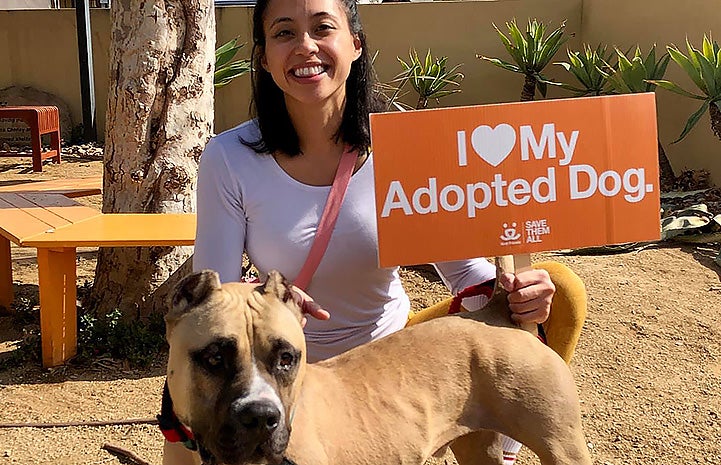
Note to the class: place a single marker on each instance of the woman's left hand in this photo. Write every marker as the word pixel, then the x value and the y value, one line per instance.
pixel 529 295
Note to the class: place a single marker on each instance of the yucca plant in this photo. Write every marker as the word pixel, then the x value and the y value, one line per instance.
pixel 429 77
pixel 531 51
pixel 585 67
pixel 634 74
pixel 704 68
pixel 227 69
pixel 390 93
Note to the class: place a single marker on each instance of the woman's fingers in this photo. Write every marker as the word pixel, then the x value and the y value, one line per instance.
pixel 530 294
pixel 308 306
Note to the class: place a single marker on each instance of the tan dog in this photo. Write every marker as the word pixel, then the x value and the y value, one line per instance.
pixel 238 379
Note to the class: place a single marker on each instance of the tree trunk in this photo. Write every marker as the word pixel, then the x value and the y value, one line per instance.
pixel 422 102
pixel 715 113
pixel 666 177
pixel 159 117
pixel 529 89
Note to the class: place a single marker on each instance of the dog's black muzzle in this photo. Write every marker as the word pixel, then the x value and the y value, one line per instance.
pixel 251 433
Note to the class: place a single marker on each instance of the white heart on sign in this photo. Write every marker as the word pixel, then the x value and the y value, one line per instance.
pixel 493 144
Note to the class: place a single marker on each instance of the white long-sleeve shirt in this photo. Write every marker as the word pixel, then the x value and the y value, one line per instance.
pixel 247 202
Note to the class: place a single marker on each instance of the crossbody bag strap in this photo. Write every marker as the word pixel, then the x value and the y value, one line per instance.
pixel 328 218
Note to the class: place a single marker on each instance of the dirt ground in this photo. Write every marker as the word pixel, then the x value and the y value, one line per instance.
pixel 648 366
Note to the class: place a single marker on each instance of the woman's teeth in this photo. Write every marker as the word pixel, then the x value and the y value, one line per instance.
pixel 308 71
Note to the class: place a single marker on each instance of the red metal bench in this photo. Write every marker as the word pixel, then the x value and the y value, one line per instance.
pixel 41 120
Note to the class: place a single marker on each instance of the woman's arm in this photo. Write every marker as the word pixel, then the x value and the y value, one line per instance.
pixel 220 234
pixel 460 274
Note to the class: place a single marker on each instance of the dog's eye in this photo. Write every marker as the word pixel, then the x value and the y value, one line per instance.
pixel 213 356
pixel 214 360
pixel 285 361
pixel 218 357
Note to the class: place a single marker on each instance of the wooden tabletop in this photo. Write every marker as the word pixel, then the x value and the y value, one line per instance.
pixel 26 214
pixel 121 230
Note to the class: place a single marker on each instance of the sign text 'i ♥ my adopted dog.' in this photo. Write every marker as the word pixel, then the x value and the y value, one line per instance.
pixel 515 178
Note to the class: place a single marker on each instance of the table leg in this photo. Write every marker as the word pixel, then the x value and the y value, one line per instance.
pixel 6 276
pixel 37 146
pixel 58 312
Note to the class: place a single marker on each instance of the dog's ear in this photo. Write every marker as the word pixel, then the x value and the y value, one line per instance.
pixel 192 290
pixel 277 285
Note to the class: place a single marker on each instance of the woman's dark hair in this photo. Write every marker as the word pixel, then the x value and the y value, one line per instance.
pixel 268 103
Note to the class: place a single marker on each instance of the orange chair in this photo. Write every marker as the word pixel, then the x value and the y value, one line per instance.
pixel 41 120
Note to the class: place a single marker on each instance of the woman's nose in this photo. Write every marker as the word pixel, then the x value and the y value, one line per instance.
pixel 306 44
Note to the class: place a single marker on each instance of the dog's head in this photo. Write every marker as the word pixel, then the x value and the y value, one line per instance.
pixel 237 357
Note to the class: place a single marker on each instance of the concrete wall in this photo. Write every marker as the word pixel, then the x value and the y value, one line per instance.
pixel 38 48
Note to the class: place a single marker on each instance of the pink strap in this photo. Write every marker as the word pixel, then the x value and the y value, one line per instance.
pixel 328 218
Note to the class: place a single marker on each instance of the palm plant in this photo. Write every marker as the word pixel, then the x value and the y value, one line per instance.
pixel 429 77
pixel 227 69
pixel 704 68
pixel 634 75
pixel 585 67
pixel 531 51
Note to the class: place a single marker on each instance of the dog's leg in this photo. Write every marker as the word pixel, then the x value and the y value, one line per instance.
pixel 175 453
pixel 478 448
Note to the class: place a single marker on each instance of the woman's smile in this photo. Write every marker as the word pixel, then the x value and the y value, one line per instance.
pixel 308 71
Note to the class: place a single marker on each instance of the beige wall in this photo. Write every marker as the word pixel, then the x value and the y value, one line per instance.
pixel 626 23
pixel 24 4
pixel 39 49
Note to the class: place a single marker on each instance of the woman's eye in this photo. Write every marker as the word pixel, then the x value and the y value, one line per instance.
pixel 281 33
pixel 325 27
pixel 285 362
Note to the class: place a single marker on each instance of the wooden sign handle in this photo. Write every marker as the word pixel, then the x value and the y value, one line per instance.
pixel 515 264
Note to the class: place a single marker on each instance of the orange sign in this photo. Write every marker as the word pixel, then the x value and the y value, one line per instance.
pixel 515 178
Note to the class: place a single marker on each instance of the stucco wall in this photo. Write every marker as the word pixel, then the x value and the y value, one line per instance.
pixel 39 48
pixel 626 23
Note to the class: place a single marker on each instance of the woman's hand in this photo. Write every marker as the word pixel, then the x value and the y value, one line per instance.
pixel 308 306
pixel 529 295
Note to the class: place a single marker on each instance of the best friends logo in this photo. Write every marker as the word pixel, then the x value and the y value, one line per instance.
pixel 515 178
pixel 493 145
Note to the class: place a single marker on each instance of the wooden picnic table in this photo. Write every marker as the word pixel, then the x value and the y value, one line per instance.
pixel 28 224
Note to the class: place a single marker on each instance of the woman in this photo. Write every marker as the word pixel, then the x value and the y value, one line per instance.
pixel 263 185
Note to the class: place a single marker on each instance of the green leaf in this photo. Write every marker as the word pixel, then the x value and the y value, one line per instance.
pixel 503 64
pixel 706 72
pixel 687 65
pixel 693 119
pixel 226 46
pixel 708 49
pixel 542 87
pixel 226 52
pixel 668 85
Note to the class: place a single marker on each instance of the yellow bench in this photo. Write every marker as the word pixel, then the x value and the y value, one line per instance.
pixel 56 245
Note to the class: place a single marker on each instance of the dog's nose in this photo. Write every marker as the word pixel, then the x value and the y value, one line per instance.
pixel 259 416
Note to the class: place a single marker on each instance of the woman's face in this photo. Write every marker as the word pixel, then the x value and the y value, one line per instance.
pixel 309 49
